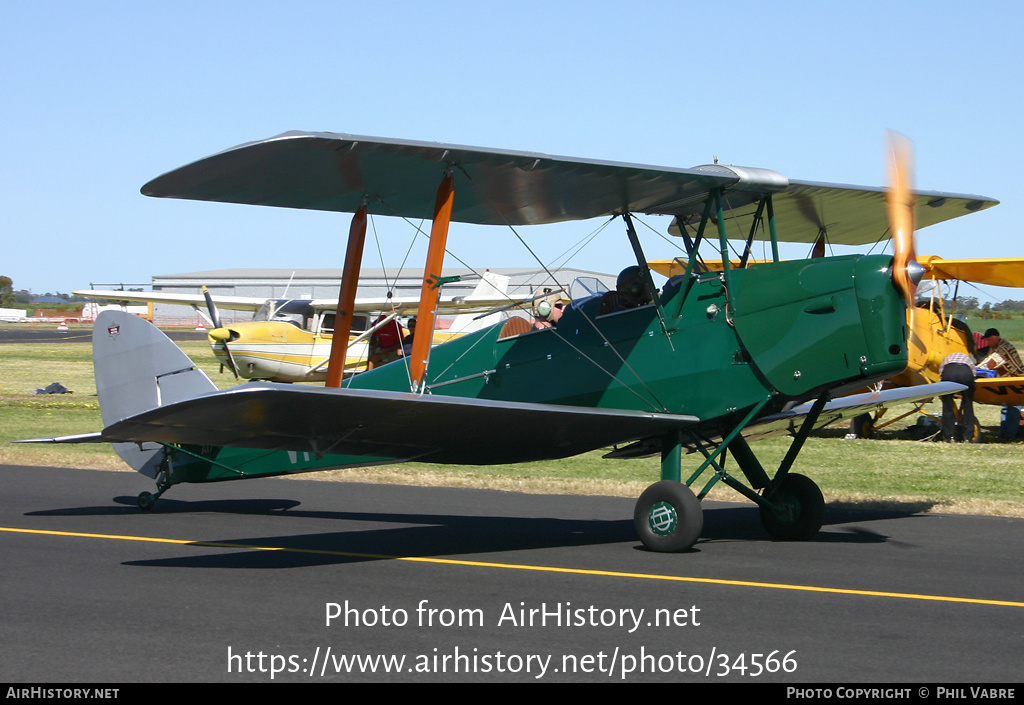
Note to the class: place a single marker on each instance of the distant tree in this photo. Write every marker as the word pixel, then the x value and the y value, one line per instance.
pixel 6 292
pixel 967 303
pixel 1009 305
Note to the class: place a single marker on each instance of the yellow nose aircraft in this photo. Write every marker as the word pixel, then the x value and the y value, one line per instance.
pixel 937 333
pixel 289 340
pixel 934 332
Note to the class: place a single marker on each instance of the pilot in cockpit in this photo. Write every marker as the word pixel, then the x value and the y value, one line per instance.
pixel 630 292
pixel 547 311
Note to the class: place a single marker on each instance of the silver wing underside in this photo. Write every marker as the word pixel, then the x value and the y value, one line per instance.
pixel 435 428
pixel 335 172
pixel 844 408
pixel 398 425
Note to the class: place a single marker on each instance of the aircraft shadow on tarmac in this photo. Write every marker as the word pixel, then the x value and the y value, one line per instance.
pixel 434 535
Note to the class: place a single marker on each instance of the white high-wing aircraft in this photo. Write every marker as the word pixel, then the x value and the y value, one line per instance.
pixel 289 340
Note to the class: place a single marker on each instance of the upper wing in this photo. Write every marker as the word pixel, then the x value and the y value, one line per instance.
pixel 845 214
pixel 404 426
pixel 408 305
pixel 487 295
pixel 455 304
pixel 233 303
pixel 1006 271
pixel 335 172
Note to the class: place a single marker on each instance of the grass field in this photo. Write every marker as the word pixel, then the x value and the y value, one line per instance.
pixel 889 471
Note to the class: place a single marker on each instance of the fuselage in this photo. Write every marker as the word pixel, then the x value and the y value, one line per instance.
pixel 772 334
pixel 787 330
pixel 934 336
pixel 279 351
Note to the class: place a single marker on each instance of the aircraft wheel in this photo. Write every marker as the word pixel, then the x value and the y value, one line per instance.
pixel 668 517
pixel 800 513
pixel 146 501
pixel 862 426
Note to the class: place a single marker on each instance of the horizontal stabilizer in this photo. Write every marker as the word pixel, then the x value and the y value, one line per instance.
pixel 94 437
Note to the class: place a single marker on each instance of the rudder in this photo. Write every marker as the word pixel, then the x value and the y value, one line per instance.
pixel 138 368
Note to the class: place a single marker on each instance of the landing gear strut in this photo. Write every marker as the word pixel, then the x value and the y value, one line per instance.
pixel 146 500
pixel 668 515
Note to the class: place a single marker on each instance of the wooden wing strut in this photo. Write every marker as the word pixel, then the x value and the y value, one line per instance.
pixel 429 292
pixel 347 298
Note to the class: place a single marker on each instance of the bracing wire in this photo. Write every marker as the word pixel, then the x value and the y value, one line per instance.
pixel 657 402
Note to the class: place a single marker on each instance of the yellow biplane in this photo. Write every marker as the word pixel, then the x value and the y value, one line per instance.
pixel 933 332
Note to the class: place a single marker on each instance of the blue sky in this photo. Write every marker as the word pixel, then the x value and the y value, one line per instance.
pixel 99 97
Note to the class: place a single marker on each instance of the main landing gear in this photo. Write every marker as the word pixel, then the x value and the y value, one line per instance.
pixel 669 518
pixel 794 509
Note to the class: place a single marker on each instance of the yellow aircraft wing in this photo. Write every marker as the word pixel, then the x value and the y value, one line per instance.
pixel 1005 271
pixel 673 267
pixel 1002 271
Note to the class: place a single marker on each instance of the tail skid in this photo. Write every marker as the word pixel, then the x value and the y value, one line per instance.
pixel 139 368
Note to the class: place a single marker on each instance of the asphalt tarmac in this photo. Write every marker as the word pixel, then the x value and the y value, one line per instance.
pixel 283 580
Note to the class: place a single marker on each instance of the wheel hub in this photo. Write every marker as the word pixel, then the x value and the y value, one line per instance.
pixel 663 518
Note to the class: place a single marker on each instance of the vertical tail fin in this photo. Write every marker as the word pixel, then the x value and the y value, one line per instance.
pixel 138 368
pixel 490 286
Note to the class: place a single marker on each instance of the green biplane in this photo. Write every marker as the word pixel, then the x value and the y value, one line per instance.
pixel 711 361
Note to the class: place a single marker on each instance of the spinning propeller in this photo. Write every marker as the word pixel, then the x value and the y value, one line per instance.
pixel 899 204
pixel 219 332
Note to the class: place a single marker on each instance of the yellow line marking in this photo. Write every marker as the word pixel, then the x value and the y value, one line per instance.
pixel 540 568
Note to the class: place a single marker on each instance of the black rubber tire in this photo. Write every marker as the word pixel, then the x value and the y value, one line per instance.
pixel 146 501
pixel 668 517
pixel 802 509
pixel 862 426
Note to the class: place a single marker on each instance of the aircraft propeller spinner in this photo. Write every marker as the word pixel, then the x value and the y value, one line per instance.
pixel 219 332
